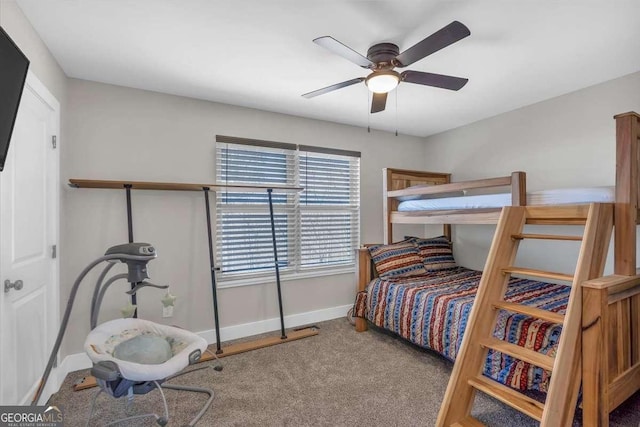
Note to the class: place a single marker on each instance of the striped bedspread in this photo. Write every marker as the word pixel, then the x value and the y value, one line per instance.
pixel 432 311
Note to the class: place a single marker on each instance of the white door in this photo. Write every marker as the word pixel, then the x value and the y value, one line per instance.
pixel 29 191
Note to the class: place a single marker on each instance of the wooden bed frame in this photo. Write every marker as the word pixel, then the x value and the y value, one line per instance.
pixel 397 181
pixel 611 304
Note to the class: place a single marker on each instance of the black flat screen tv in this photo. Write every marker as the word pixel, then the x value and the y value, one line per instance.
pixel 13 72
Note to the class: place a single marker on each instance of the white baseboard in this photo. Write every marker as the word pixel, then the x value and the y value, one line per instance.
pixel 273 324
pixel 78 361
pixel 73 362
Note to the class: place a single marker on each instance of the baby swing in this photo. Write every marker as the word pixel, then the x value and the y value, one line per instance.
pixel 133 356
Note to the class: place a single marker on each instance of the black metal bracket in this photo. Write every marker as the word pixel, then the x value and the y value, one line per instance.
pixel 127 187
pixel 213 270
pixel 277 265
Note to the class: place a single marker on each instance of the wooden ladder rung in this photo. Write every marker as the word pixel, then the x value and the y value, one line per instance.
pixel 538 273
pixel 538 313
pixel 468 422
pixel 508 396
pixel 545 237
pixel 525 354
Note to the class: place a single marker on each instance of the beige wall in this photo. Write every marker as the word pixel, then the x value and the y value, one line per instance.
pixel 121 133
pixel 568 141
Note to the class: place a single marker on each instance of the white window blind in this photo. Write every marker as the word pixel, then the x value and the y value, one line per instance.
pixel 317 228
pixel 329 208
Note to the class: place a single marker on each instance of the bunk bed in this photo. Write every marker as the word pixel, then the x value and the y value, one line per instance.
pixel 610 306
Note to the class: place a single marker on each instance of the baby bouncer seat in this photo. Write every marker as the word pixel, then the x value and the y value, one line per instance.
pixel 132 356
pixel 136 356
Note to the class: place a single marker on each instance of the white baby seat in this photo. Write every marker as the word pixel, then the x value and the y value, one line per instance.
pixel 186 347
pixel 131 356
pixel 135 356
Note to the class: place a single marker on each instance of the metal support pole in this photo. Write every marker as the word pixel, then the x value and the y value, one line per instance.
pixel 275 258
pixel 134 298
pixel 213 270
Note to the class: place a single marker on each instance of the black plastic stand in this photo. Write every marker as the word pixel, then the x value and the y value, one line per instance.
pixel 213 270
pixel 277 265
pixel 134 298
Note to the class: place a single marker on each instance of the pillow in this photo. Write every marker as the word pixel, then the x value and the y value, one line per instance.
pixel 144 349
pixel 428 196
pixel 435 252
pixel 400 259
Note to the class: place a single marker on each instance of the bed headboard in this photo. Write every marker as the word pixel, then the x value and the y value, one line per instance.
pixel 398 179
pixel 366 270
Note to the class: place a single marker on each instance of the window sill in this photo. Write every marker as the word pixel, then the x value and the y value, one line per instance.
pixel 263 280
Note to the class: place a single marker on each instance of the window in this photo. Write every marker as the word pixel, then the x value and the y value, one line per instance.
pixel 317 228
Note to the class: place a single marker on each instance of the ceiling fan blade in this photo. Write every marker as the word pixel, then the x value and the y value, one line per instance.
pixel 343 50
pixel 379 102
pixel 436 41
pixel 333 87
pixel 436 80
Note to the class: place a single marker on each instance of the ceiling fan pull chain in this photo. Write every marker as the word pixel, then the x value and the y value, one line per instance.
pixel 397 90
pixel 368 114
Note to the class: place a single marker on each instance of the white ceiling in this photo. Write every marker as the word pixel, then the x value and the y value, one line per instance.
pixel 260 54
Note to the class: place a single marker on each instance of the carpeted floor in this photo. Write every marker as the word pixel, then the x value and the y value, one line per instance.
pixel 337 378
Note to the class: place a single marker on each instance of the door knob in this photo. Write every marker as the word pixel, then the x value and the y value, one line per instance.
pixel 17 285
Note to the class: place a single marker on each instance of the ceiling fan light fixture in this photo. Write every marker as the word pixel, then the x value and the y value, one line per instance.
pixel 382 81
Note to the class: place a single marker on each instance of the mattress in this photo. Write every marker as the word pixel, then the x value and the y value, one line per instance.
pixel 432 312
pixel 561 196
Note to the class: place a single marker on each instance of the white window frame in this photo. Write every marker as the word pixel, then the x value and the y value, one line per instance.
pixel 295 270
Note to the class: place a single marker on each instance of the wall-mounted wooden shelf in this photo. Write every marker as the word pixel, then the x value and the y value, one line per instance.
pixel 176 186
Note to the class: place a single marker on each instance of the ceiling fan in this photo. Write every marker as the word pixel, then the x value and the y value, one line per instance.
pixel 382 58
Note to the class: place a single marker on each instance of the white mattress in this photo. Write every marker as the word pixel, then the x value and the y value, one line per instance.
pixel 561 196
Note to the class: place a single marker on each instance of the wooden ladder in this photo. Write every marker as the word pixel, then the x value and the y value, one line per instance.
pixel 466 378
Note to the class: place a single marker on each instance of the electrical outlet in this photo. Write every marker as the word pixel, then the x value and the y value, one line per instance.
pixel 167 311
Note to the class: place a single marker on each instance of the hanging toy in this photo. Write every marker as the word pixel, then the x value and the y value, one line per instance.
pixel 168 301
pixel 128 310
